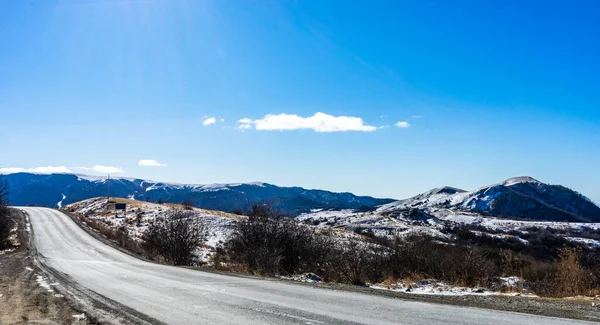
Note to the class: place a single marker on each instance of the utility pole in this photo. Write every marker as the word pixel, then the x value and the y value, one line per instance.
pixel 108 193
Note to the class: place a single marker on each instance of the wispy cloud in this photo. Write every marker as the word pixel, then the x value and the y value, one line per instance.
pixel 38 170
pixel 61 169
pixel 150 162
pixel 320 122
pixel 244 124
pixel 403 125
pixel 209 121
pixel 417 116
pixel 107 169
pixel 102 169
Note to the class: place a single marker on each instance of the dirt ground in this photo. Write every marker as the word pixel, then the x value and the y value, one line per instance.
pixel 23 297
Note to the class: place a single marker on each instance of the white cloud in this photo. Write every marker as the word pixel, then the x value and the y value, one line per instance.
pixel 245 124
pixel 38 170
pixel 417 116
pixel 320 122
pixel 403 125
pixel 150 162
pixel 209 121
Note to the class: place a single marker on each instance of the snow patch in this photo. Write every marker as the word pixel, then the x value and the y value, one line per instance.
pixel 432 287
pixel 43 282
pixel 79 317
pixel 61 201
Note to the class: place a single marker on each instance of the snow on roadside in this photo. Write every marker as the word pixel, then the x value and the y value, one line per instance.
pixel 306 277
pixel 43 282
pixel 6 251
pixel 79 317
pixel 27 223
pixel 432 287
pixel 13 240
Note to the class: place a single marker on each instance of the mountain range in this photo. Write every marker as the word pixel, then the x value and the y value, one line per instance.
pixel 57 190
pixel 516 198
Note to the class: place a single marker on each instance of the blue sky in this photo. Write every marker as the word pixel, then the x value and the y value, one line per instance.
pixel 483 91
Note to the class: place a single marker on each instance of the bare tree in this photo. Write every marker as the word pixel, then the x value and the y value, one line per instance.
pixel 3 194
pixel 188 204
pixel 174 239
pixel 5 222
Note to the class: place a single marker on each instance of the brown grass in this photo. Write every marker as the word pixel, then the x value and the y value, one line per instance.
pixel 570 276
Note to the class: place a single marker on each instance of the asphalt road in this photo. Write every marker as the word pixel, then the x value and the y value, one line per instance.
pixel 181 296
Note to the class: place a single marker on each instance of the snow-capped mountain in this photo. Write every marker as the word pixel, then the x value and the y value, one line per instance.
pixel 55 190
pixel 516 198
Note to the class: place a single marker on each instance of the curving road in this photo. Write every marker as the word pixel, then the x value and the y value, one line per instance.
pixel 181 296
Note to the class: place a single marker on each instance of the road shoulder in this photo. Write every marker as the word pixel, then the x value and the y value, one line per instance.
pixel 26 294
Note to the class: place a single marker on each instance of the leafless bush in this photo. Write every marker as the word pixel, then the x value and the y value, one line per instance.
pixel 570 276
pixel 120 235
pixel 174 239
pixel 5 222
pixel 188 204
pixel 269 243
pixel 354 262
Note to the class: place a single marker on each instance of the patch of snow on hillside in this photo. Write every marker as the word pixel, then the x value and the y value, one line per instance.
pixel 219 226
pixel 519 180
pixel 586 241
pixel 61 201
pixel 326 215
pixel 259 184
pixel 500 236
pixel 214 187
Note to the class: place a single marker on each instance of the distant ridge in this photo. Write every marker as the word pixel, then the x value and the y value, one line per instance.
pixel 49 189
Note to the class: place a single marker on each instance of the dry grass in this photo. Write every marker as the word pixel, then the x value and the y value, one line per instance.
pixel 135 204
pixel 570 276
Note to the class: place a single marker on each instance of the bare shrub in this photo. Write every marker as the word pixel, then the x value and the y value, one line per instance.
pixel 5 222
pixel 354 262
pixel 269 243
pixel 174 239
pixel 120 235
pixel 570 276
pixel 188 204
pixel 540 277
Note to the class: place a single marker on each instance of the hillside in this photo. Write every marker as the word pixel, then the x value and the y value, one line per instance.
pixel 57 190
pixel 516 198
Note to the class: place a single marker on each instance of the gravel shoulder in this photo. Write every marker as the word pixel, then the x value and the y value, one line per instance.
pixel 25 294
pixel 579 309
